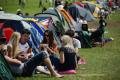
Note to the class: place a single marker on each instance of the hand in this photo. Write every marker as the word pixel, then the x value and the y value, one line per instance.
pixel 29 55
pixel 43 46
pixel 17 61
pixel 22 56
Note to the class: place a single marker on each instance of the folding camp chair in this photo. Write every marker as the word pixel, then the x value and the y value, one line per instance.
pixel 86 40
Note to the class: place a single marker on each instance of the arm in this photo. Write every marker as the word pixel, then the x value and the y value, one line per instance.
pixel 76 50
pixel 62 59
pixel 12 61
pixel 50 50
pixel 29 50
pixel 76 62
pixel 30 47
pixel 53 49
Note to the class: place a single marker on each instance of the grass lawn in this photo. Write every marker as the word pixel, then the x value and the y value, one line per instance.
pixel 102 63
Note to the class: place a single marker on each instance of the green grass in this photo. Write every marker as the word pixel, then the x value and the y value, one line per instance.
pixel 102 63
pixel 32 6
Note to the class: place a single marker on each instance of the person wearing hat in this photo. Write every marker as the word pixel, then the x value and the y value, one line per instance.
pixel 86 36
pixel 96 36
pixel 84 26
pixel 1 10
pixel 19 12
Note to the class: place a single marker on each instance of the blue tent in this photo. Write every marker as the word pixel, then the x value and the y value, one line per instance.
pixel 18 25
pixel 52 25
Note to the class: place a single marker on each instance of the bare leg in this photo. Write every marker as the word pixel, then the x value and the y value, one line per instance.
pixel 52 71
pixel 35 61
pixel 9 49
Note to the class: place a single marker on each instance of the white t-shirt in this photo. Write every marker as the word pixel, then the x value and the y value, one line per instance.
pixel 79 25
pixel 76 43
pixel 24 47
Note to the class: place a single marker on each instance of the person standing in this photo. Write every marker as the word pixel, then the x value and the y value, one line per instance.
pixel 22 3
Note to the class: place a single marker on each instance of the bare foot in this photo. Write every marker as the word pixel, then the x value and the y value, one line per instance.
pixel 56 75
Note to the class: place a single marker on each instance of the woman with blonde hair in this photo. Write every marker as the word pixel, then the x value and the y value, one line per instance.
pixel 67 60
pixel 27 67
pixel 13 43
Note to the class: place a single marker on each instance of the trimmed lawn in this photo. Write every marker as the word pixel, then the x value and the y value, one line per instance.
pixel 102 63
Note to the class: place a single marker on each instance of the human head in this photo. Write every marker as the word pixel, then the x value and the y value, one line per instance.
pixel 48 37
pixel 25 35
pixel 15 37
pixel 101 18
pixel 66 5
pixel 1 9
pixel 44 9
pixel 26 14
pixel 66 41
pixel 85 26
pixel 19 12
pixel 81 17
pixel 70 33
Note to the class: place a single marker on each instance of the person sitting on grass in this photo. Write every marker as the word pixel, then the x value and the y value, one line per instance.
pixel 48 44
pixel 96 36
pixel 76 42
pixel 67 56
pixel 26 68
pixel 48 39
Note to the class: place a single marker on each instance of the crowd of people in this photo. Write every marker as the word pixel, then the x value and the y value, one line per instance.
pixel 23 61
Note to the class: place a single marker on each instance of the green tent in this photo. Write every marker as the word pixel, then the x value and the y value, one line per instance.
pixel 5 72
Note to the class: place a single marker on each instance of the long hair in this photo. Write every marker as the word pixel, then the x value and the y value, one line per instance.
pixel 67 41
pixel 14 41
pixel 44 38
pixel 50 42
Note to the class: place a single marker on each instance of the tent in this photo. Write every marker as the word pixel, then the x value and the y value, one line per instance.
pixel 57 22
pixel 51 26
pixel 5 72
pixel 35 23
pixel 10 16
pixel 62 19
pixel 77 11
pixel 18 24
pixel 67 17
pixel 79 3
pixel 48 21
pixel 93 8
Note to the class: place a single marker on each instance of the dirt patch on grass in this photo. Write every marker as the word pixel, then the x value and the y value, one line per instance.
pixel 113 24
